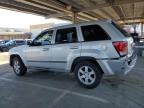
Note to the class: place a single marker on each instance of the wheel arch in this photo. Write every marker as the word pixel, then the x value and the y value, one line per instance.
pixel 12 56
pixel 85 58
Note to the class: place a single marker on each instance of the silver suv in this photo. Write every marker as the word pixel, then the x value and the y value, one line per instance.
pixel 89 50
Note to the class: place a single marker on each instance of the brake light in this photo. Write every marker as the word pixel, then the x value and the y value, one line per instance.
pixel 121 47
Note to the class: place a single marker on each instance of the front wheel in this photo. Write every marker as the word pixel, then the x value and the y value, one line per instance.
pixel 88 74
pixel 5 49
pixel 18 66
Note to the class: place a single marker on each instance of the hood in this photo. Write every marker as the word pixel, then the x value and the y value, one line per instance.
pixel 18 48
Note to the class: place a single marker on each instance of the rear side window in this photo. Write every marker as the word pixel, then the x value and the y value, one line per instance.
pixel 126 34
pixel 68 35
pixel 94 33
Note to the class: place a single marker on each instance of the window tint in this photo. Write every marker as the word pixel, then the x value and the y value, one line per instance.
pixel 20 42
pixel 44 38
pixel 68 35
pixel 94 33
pixel 11 42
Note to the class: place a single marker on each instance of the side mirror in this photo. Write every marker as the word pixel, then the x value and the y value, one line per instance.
pixel 29 43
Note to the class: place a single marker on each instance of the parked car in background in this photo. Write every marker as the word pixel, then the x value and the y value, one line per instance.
pixel 28 40
pixel 89 50
pixel 12 43
pixel 3 41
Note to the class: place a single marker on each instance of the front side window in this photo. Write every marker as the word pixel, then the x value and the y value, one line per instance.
pixel 44 39
pixel 94 33
pixel 68 35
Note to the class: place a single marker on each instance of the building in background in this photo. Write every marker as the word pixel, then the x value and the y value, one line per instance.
pixel 13 33
pixel 135 28
pixel 36 29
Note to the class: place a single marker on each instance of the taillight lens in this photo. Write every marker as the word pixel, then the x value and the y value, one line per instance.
pixel 121 47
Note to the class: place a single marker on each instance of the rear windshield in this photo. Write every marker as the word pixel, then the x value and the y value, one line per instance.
pixel 10 42
pixel 126 34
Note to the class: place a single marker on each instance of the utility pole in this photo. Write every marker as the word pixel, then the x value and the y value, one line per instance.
pixel 142 29
pixel 75 15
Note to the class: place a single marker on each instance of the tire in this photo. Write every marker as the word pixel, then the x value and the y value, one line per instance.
pixel 18 66
pixel 1 50
pixel 88 74
pixel 5 50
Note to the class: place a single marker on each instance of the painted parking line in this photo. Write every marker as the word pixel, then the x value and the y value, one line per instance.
pixel 64 91
pixel 62 95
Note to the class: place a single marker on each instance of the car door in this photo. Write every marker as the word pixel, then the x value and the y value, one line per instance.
pixel 39 53
pixel 66 46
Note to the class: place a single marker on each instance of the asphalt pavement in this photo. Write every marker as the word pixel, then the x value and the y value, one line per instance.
pixel 44 89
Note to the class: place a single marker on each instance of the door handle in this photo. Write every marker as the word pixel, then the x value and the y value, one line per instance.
pixel 45 49
pixel 74 47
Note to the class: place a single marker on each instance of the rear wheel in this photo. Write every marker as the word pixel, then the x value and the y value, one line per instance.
pixel 18 66
pixel 88 74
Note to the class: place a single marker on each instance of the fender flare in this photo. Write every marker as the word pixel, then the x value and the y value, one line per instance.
pixel 84 58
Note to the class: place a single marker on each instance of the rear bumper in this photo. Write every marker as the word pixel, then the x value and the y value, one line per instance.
pixel 118 66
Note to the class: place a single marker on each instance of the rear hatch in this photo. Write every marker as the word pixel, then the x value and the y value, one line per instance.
pixel 128 38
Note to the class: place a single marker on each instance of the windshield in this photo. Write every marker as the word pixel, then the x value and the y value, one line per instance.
pixel 10 42
pixel 125 33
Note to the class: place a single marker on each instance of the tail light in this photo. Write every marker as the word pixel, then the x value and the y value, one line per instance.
pixel 121 47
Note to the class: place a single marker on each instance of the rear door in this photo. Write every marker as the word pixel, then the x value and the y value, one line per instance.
pixel 96 42
pixel 66 46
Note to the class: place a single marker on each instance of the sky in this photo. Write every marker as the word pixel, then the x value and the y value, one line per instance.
pixel 13 19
